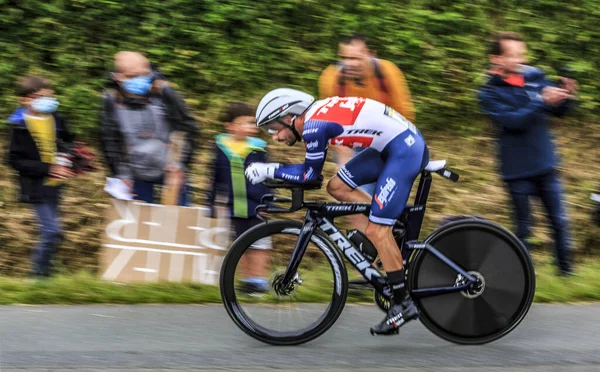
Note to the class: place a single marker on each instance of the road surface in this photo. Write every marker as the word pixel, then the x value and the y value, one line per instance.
pixel 203 338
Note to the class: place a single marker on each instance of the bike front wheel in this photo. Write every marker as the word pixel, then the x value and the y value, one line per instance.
pixel 492 308
pixel 293 315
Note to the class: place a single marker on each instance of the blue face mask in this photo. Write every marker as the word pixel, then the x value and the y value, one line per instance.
pixel 138 85
pixel 46 105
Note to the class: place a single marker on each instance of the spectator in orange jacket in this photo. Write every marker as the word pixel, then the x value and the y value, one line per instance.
pixel 358 73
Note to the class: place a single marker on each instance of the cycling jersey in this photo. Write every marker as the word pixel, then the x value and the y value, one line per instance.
pixel 396 152
pixel 347 121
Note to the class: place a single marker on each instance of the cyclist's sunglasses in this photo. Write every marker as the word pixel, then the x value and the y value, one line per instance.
pixel 273 127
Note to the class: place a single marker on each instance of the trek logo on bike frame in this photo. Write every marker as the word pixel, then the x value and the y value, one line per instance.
pixel 357 259
pixel 346 208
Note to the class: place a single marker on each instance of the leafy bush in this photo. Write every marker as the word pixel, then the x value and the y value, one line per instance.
pixel 216 50
pixel 238 49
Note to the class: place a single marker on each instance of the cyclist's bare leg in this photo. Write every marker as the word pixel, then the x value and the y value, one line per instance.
pixel 386 246
pixel 359 222
pixel 380 235
pixel 403 308
pixel 342 192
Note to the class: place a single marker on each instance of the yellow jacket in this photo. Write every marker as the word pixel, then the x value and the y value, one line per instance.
pixel 397 95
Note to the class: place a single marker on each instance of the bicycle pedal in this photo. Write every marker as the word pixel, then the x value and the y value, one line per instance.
pixel 393 332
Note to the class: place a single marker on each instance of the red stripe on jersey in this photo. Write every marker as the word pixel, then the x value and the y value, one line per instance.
pixel 343 111
pixel 352 141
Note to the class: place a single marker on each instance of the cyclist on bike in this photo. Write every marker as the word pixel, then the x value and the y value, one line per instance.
pixel 394 157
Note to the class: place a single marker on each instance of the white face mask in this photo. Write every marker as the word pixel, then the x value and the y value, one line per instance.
pixel 46 105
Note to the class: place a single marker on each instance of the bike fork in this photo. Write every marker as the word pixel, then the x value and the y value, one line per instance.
pixel 310 224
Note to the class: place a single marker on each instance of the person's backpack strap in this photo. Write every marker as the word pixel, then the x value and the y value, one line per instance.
pixel 379 75
pixel 341 83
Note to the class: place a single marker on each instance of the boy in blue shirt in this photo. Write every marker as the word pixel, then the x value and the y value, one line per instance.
pixel 234 151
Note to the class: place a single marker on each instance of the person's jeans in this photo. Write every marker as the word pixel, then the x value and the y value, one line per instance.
pixel 50 233
pixel 145 191
pixel 548 187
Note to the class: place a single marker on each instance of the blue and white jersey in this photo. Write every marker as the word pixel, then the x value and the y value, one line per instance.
pixel 345 121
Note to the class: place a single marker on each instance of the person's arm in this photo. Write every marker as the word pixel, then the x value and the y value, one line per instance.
pixel 507 117
pixel 263 156
pixel 400 97
pixel 183 121
pixel 308 171
pixel 328 82
pixel 317 145
pixel 560 109
pixel 66 137
pixel 112 142
pixel 316 151
pixel 65 134
pixel 214 178
pixel 312 167
pixel 19 160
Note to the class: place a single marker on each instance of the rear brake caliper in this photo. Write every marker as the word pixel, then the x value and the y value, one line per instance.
pixel 475 289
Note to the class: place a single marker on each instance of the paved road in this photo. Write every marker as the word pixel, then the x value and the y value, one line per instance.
pixel 190 338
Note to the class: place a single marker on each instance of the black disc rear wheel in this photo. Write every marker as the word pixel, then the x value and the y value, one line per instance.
pixel 496 304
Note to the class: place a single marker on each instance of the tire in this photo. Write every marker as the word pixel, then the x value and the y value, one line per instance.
pixel 499 306
pixel 257 331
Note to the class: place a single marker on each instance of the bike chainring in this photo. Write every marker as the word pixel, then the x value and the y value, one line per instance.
pixel 383 303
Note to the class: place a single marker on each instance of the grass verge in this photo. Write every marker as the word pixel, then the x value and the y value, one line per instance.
pixel 85 288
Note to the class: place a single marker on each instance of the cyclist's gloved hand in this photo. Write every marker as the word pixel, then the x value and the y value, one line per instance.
pixel 258 172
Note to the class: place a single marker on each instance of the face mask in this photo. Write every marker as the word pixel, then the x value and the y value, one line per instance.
pixel 138 85
pixel 46 105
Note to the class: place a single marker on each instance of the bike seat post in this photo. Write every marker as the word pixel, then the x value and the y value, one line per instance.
pixel 423 188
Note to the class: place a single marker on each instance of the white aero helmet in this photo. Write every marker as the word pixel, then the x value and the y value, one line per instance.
pixel 281 102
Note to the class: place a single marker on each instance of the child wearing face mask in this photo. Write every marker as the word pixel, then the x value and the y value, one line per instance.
pixel 38 150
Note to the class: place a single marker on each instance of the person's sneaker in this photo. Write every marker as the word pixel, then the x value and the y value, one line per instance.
pixel 255 286
pixel 397 316
pixel 569 273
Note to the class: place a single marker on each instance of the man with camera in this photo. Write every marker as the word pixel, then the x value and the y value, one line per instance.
pixel 518 100
pixel 359 74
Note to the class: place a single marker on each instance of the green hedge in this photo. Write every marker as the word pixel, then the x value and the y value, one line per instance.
pixel 216 50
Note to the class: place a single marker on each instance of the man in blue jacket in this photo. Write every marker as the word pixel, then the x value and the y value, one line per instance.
pixel 518 99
